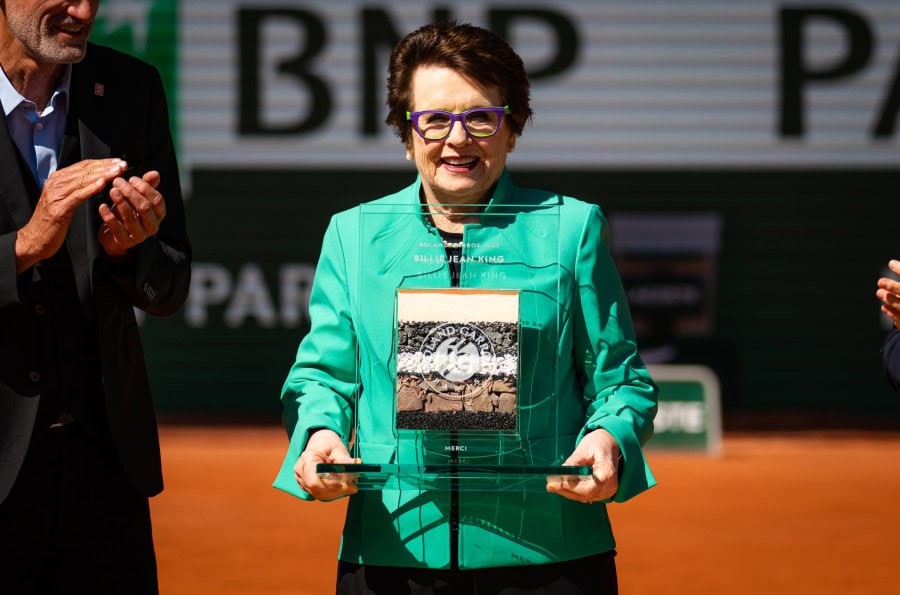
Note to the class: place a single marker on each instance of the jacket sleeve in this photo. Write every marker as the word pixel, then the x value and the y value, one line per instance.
pixel 890 358
pixel 156 277
pixel 619 393
pixel 321 385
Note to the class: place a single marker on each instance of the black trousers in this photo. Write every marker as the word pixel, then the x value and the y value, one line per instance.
pixel 595 575
pixel 73 522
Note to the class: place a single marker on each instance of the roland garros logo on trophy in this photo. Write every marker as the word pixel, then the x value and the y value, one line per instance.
pixel 457 373
pixel 456 354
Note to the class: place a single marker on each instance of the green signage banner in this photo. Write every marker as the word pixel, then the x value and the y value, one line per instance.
pixel 689 416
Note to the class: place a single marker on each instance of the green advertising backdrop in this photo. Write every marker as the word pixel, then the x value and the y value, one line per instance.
pixel 797 324
pixel 804 234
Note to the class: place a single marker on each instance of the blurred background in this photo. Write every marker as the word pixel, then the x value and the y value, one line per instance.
pixel 746 156
pixel 744 152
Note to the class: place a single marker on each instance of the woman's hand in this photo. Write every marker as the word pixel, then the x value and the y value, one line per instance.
pixel 889 294
pixel 601 451
pixel 324 446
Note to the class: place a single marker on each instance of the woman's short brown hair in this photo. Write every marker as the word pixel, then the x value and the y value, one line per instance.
pixel 473 52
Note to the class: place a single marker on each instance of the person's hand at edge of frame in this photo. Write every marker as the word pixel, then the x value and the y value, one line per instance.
pixel 889 294
pixel 600 451
pixel 324 446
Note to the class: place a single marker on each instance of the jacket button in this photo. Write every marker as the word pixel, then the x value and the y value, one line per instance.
pixel 34 376
pixel 40 309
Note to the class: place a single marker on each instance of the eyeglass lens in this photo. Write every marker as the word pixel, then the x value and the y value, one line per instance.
pixel 479 123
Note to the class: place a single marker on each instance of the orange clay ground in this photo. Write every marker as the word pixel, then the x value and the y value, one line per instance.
pixel 804 513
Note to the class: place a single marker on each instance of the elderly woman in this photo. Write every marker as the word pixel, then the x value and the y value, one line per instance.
pixel 459 99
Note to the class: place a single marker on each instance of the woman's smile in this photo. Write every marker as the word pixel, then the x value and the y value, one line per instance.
pixel 460 164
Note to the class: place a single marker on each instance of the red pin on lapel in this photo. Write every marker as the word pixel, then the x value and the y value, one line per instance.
pixel 99 88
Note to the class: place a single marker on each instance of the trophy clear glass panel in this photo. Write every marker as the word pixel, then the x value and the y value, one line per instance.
pixel 459 361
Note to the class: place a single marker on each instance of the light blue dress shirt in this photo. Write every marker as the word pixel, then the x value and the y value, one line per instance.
pixel 37 135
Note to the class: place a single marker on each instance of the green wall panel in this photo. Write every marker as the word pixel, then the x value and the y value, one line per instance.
pixel 797 326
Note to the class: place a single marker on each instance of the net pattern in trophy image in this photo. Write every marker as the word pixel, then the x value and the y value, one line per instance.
pixel 457 360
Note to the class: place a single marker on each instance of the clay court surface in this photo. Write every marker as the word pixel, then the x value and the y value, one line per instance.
pixel 795 513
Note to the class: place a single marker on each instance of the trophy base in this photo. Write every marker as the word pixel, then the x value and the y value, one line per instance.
pixel 449 477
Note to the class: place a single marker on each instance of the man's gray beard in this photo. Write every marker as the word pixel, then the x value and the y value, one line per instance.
pixel 66 55
pixel 44 48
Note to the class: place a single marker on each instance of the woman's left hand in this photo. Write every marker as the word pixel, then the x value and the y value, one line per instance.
pixel 600 451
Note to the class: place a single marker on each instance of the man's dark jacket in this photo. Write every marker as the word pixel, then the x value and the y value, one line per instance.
pixel 890 357
pixel 117 108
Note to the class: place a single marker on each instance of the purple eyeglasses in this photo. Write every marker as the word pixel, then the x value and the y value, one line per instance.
pixel 480 122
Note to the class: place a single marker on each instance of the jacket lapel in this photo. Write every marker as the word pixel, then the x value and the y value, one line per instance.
pixel 16 195
pixel 81 142
pixel 87 112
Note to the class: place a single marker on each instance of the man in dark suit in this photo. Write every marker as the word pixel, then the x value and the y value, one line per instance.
pixel 91 226
pixel 889 294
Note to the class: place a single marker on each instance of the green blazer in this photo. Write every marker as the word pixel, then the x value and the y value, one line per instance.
pixel 572 310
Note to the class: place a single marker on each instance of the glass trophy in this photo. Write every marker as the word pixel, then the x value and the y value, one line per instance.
pixel 458 367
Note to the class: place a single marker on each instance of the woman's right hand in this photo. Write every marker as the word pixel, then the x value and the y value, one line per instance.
pixel 324 446
pixel 889 294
